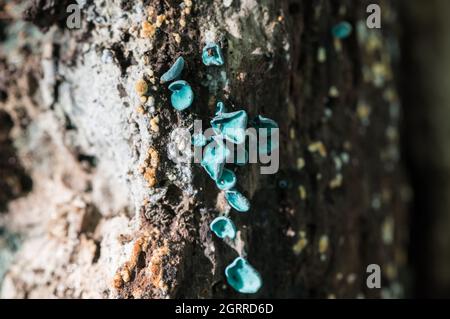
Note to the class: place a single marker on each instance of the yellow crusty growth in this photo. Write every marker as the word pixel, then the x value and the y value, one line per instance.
pixel 147 29
pixel 141 87
pixel 150 167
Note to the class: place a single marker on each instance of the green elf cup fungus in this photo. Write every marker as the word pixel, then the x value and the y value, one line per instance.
pixel 182 95
pixel 199 140
pixel 227 180
pixel 236 200
pixel 231 125
pixel 342 30
pixel 214 156
pixel 223 227
pixel 267 131
pixel 212 54
pixel 243 277
pixel 174 72
pixel 220 108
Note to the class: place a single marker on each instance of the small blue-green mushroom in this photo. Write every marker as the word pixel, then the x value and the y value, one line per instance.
pixel 227 180
pixel 214 156
pixel 236 200
pixel 174 72
pixel 243 277
pixel 223 227
pixel 212 54
pixel 182 95
pixel 268 134
pixel 342 30
pixel 231 125
pixel 199 140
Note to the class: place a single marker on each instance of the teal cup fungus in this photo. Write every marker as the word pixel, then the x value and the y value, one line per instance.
pixel 223 227
pixel 268 134
pixel 227 180
pixel 236 200
pixel 214 156
pixel 342 30
pixel 243 277
pixel 231 126
pixel 212 55
pixel 182 95
pixel 174 72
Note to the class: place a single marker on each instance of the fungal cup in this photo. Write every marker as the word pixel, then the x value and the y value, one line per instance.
pixel 243 277
pixel 223 227
pixel 212 55
pixel 182 95
pixel 174 72
pixel 236 200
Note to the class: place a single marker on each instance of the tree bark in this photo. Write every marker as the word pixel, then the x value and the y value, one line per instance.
pixel 90 225
pixel 426 47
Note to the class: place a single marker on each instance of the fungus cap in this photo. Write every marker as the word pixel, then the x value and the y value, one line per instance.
pixel 227 180
pixel 342 30
pixel 236 200
pixel 182 95
pixel 243 277
pixel 212 54
pixel 223 227
pixel 174 72
pixel 231 125
pixel 214 156
pixel 268 132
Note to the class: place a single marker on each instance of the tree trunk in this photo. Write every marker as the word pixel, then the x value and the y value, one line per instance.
pixel 426 47
pixel 80 219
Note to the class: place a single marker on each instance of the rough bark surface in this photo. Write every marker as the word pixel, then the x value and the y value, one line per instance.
pixel 83 222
